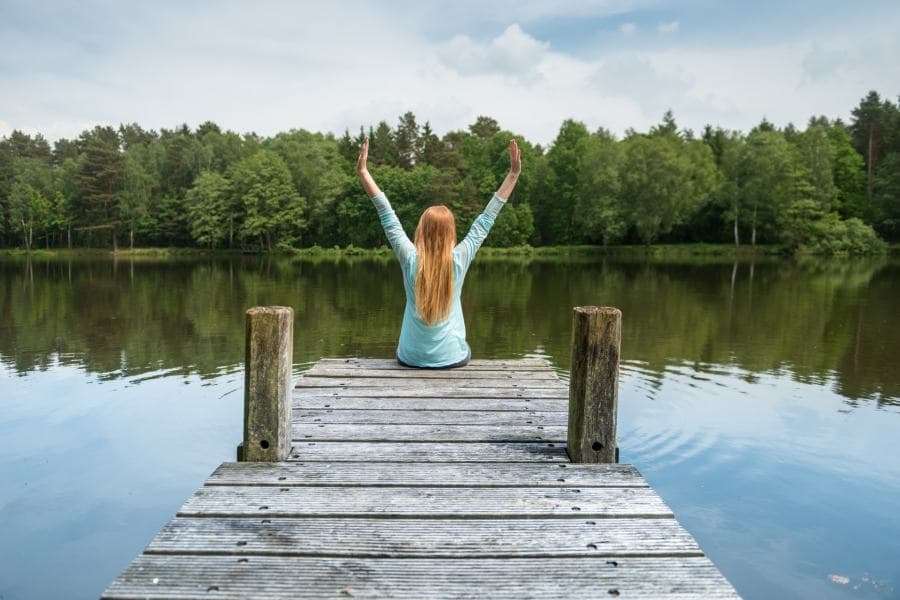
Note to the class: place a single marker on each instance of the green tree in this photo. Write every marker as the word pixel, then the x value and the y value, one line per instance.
pixel 133 135
pixel 134 200
pixel 17 145
pixel 870 120
pixel 816 156
pixel 29 199
pixel 431 148
pixel 408 140
pixel 320 173
pixel 170 224
pixel 383 146
pixel 100 180
pixel 554 210
pixel 808 227
pixel 664 182
pixel 208 209
pixel 272 209
pixel 63 150
pixel 65 198
pixel 484 127
pixel 514 226
pixel 849 174
pixel 727 148
pixel 182 160
pixel 600 214
pixel 886 201
pixel 765 177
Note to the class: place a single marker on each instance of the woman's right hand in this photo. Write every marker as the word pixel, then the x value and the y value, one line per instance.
pixel 363 157
pixel 515 167
pixel 515 158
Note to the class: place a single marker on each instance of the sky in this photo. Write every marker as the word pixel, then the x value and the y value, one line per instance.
pixel 268 66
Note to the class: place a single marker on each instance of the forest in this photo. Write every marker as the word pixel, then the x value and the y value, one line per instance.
pixel 830 188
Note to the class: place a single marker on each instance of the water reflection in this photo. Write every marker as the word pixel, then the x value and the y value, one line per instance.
pixel 819 322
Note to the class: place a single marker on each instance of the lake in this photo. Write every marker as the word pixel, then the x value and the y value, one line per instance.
pixel 761 399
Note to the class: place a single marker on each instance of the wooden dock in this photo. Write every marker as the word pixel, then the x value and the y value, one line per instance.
pixel 407 483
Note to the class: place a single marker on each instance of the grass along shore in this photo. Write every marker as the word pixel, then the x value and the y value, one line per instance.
pixel 580 251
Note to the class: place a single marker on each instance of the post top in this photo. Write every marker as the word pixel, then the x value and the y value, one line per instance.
pixel 270 310
pixel 598 310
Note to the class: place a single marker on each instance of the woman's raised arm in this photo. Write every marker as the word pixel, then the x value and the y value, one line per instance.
pixel 397 238
pixel 363 170
pixel 482 225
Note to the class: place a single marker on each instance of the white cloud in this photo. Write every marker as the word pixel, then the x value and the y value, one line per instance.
pixel 513 53
pixel 309 66
pixel 667 27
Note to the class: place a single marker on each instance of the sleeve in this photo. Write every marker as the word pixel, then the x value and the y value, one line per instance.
pixel 479 230
pixel 397 238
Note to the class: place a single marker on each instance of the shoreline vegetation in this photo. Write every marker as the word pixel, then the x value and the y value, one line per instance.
pixel 488 252
pixel 831 188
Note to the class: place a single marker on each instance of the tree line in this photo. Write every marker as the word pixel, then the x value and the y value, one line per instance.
pixel 832 187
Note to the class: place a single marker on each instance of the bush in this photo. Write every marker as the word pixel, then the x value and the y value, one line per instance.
pixel 806 227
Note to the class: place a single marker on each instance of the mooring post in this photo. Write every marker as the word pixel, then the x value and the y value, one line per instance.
pixel 267 384
pixel 594 384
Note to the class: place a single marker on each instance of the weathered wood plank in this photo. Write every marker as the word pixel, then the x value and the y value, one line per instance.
pixel 427 452
pixel 431 391
pixel 427 474
pixel 406 373
pixel 511 364
pixel 337 432
pixel 325 501
pixel 520 418
pixel 425 538
pixel 423 383
pixel 417 404
pixel 161 576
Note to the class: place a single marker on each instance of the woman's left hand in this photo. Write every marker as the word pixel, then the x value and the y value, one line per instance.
pixel 363 157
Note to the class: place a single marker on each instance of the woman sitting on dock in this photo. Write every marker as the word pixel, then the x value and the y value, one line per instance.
pixel 433 333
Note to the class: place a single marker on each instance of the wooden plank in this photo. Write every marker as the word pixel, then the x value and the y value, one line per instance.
pixel 431 391
pixel 427 474
pixel 448 405
pixel 519 418
pixel 405 373
pixel 422 383
pixel 326 501
pixel 514 364
pixel 159 576
pixel 336 432
pixel 421 538
pixel 427 452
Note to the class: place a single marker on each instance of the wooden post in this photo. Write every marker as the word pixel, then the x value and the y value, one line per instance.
pixel 267 384
pixel 594 384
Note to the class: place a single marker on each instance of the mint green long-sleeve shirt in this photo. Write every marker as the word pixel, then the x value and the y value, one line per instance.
pixel 443 343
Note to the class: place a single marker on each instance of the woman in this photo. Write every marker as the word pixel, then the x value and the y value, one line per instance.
pixel 433 334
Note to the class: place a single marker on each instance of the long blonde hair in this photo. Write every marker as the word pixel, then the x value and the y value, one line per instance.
pixel 435 239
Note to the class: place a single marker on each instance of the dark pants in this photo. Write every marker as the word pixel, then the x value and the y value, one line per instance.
pixel 461 363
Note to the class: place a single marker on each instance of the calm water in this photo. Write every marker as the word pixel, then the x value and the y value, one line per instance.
pixel 761 400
